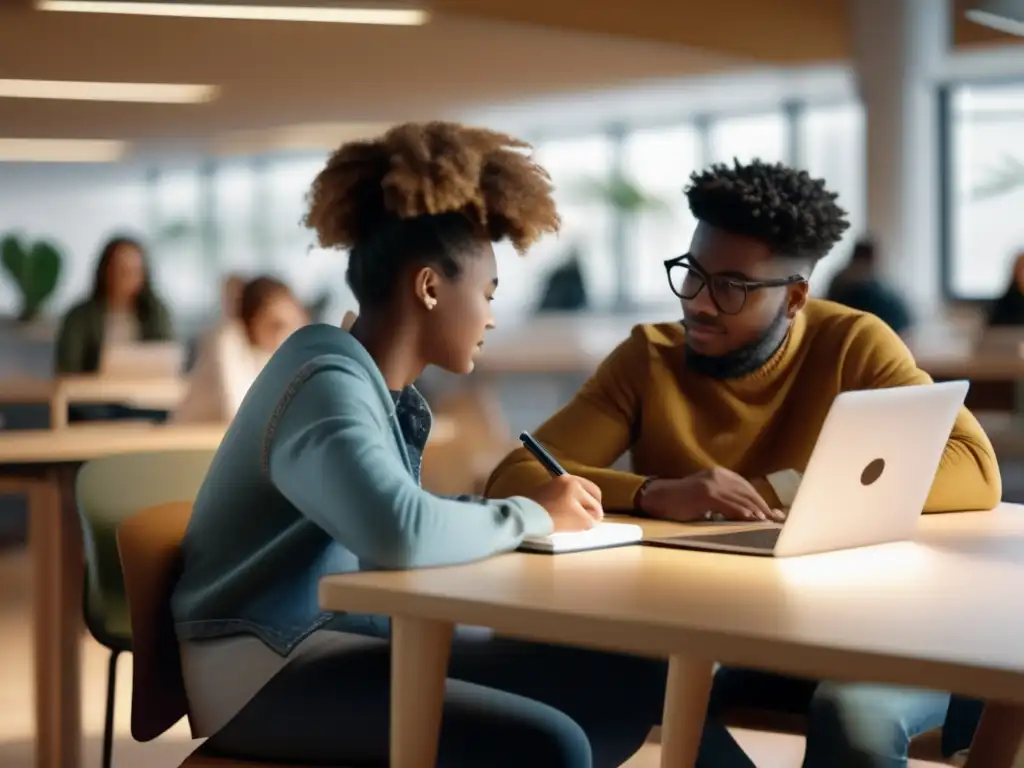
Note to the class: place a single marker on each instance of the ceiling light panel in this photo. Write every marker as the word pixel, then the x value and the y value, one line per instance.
pixel 61 150
pixel 327 13
pixel 149 93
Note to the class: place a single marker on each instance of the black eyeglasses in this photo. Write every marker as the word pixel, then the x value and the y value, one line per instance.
pixel 687 278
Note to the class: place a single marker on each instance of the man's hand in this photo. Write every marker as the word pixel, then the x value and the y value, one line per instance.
pixel 718 491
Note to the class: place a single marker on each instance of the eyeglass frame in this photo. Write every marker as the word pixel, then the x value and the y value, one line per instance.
pixel 687 261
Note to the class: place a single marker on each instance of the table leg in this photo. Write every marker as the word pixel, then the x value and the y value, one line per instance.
pixel 998 737
pixel 56 548
pixel 686 702
pixel 419 666
pixel 58 409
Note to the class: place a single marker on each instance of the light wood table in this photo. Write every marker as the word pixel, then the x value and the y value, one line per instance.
pixel 942 612
pixel 557 343
pixel 41 464
pixel 146 392
pixel 975 367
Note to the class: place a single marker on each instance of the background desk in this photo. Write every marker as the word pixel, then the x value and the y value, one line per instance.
pixel 939 613
pixel 537 367
pixel 150 392
pixel 41 464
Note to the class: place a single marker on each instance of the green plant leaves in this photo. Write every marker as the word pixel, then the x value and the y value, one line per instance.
pixel 619 193
pixel 35 270
pixel 1000 182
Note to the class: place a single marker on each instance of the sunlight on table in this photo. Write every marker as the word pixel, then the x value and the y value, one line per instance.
pixel 883 565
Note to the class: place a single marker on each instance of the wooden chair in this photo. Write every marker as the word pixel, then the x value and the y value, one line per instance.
pixel 108 490
pixel 149 543
pixel 481 440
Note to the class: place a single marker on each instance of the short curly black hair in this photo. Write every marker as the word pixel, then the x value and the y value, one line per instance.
pixel 785 208
pixel 427 192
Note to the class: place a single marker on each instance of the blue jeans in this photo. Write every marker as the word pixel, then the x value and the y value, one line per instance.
pixel 849 725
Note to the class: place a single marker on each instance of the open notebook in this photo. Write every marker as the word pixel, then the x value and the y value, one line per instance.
pixel 600 536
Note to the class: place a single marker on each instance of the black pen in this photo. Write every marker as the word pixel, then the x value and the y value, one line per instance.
pixel 540 454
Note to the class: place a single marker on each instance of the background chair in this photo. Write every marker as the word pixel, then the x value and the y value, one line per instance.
pixel 108 490
pixel 481 440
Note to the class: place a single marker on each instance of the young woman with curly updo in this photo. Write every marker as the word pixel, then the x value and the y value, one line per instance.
pixel 319 474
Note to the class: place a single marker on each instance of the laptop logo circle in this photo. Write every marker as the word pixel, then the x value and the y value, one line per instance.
pixel 872 472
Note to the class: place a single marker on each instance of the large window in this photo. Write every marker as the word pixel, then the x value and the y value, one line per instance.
pixel 286 181
pixel 180 268
pixel 77 207
pixel 234 198
pixel 832 146
pixel 310 271
pixel 580 169
pixel 985 186
pixel 762 136
pixel 241 215
pixel 659 162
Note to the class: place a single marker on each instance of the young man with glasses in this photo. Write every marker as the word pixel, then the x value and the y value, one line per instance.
pixel 720 413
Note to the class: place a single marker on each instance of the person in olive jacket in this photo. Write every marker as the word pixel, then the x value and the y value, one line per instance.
pixel 122 308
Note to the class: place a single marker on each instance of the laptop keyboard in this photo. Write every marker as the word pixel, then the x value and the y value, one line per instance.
pixel 758 538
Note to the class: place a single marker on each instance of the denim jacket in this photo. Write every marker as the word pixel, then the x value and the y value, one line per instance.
pixel 319 474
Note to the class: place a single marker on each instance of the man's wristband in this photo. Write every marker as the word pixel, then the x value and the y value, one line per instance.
pixel 638 497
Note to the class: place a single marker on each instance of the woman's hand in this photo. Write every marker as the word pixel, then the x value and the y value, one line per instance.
pixel 574 503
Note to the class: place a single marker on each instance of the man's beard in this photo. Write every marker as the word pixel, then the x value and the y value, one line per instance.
pixel 745 360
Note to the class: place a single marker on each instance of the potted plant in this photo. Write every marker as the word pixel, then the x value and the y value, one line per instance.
pixel 627 201
pixel 34 268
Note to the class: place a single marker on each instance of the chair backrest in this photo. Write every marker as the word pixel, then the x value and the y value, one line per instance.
pixel 150 546
pixel 481 439
pixel 109 490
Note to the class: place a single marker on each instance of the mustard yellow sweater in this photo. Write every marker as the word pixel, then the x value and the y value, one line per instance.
pixel 643 399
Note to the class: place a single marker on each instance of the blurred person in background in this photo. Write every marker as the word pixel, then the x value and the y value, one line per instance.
pixel 318 307
pixel 858 286
pixel 565 288
pixel 1009 308
pixel 122 308
pixel 230 296
pixel 258 318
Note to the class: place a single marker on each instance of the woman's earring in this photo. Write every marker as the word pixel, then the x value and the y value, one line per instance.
pixel 430 304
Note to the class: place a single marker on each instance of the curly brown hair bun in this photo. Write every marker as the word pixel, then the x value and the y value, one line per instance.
pixel 429 191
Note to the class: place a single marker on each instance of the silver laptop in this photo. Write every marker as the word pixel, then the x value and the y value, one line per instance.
pixel 867 479
pixel 152 359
